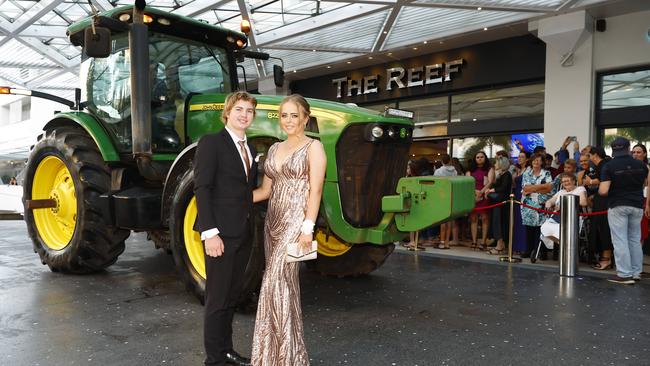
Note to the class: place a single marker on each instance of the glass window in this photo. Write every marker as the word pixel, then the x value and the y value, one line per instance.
pixel 429 149
pixel 521 101
pixel 466 148
pixel 428 111
pixel 636 135
pixel 177 68
pixel 630 89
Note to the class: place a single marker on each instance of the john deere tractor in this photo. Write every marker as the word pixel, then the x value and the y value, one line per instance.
pixel 121 159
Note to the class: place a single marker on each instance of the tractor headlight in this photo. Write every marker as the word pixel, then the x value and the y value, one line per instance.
pixel 392 133
pixel 377 132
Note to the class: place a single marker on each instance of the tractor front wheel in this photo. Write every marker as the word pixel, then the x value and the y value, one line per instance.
pixel 340 259
pixel 66 168
pixel 188 250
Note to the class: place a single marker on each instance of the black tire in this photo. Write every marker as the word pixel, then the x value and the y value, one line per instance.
pixel 94 245
pixel 360 260
pixel 161 239
pixel 194 282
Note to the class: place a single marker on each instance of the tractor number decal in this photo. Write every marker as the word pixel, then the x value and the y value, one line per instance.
pixel 273 115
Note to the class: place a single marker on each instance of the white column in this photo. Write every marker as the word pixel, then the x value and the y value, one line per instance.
pixel 569 84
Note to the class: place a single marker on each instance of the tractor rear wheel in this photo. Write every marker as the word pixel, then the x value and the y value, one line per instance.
pixel 336 258
pixel 65 166
pixel 188 249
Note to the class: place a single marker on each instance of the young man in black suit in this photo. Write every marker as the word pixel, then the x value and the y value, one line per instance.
pixel 224 179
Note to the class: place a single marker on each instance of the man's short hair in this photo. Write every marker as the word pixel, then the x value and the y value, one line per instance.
pixel 445 158
pixel 232 99
pixel 598 150
pixel 538 149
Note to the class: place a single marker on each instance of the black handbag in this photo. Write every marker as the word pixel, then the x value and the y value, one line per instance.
pixel 495 197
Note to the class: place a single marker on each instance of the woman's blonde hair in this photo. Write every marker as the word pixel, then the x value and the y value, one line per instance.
pixel 299 100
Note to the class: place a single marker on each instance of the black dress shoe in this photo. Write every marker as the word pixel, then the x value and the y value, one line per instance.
pixel 234 358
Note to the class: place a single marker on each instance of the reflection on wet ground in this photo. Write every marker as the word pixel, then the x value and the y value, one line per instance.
pixel 415 310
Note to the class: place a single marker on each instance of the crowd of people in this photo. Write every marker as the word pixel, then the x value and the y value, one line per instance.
pixel 612 187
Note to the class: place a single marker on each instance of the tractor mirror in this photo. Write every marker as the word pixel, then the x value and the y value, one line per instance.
pixel 278 75
pixel 97 43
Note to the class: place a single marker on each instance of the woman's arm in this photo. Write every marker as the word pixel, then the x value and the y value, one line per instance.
pixel 583 198
pixel 264 191
pixel 491 179
pixel 551 201
pixel 317 164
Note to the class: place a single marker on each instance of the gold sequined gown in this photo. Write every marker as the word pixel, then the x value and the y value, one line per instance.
pixel 278 335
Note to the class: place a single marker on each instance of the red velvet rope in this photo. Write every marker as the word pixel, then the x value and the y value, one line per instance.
pixel 557 213
pixel 593 213
pixel 490 206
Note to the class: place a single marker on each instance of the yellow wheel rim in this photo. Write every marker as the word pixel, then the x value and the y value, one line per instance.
pixel 53 181
pixel 192 239
pixel 331 247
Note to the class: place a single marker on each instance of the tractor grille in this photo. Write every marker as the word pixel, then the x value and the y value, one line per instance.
pixel 368 170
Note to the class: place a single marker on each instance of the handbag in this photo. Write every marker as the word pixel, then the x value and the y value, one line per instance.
pixel 294 255
pixel 494 197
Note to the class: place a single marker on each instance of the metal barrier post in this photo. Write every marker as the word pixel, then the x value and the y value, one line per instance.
pixel 569 228
pixel 509 258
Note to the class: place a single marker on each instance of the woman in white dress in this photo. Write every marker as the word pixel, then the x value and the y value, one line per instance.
pixel 551 228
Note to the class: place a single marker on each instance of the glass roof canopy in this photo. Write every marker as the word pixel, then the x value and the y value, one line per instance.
pixel 35 52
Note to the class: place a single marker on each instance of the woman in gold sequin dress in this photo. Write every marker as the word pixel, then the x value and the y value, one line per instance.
pixel 293 182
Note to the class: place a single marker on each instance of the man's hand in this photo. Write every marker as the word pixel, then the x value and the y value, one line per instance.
pixel 566 142
pixel 214 246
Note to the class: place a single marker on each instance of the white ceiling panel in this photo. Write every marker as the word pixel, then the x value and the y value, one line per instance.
pixel 14 52
pixel 359 33
pixel 548 5
pixel 298 60
pixel 415 24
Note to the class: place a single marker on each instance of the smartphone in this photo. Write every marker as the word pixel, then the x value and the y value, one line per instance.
pixel 573 138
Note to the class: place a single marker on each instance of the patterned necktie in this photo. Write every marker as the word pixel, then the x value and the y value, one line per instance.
pixel 244 154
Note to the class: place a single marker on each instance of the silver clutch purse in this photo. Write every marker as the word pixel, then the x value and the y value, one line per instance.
pixel 294 254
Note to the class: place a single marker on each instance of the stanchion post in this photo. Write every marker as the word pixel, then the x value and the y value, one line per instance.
pixel 510 258
pixel 569 228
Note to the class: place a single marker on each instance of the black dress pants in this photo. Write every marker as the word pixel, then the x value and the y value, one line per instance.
pixel 223 286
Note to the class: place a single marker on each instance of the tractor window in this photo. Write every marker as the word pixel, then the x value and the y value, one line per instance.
pixel 177 68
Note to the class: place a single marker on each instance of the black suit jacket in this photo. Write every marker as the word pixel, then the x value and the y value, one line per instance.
pixel 224 196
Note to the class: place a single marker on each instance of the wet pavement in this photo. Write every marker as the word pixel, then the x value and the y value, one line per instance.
pixel 415 310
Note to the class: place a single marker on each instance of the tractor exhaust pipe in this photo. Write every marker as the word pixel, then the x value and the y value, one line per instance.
pixel 141 95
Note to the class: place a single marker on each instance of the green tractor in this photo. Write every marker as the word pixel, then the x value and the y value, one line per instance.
pixel 121 159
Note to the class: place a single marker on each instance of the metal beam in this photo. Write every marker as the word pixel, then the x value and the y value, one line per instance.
pixel 388 25
pixel 327 19
pixel 199 7
pixel 566 5
pixel 28 18
pixel 22 65
pixel 50 53
pixel 102 5
pixel 245 14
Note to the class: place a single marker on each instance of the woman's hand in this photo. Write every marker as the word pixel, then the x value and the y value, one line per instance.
pixel 304 241
pixel 647 211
